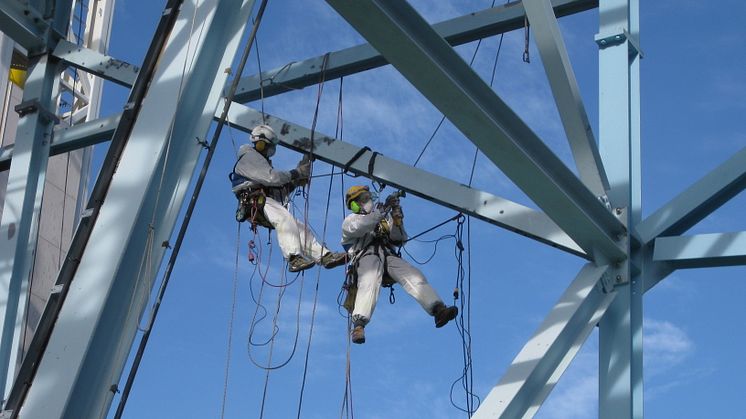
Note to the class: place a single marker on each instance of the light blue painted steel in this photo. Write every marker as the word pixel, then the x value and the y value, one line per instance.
pixel 698 201
pixel 551 46
pixel 467 28
pixel 22 207
pixel 483 205
pixel 89 345
pixel 406 40
pixel 702 250
pixel 24 23
pixel 620 330
pixel 98 64
pixel 68 138
pixel 6 54
pixel 539 365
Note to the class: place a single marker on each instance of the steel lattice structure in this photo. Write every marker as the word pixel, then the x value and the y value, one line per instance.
pixel 595 215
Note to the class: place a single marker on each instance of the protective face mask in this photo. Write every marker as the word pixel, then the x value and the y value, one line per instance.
pixel 271 151
pixel 368 206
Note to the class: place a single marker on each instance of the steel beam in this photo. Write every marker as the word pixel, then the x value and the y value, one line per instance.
pixel 96 63
pixel 458 31
pixel 22 207
pixel 483 205
pixel 702 250
pixel 97 323
pixel 22 22
pixel 545 357
pixel 697 201
pixel 69 138
pixel 548 39
pixel 396 30
pixel 620 329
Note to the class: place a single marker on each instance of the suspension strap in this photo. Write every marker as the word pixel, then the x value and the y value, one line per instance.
pixel 346 167
pixel 371 167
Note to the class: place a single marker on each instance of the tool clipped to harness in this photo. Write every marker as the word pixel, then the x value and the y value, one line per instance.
pixel 251 208
pixel 252 253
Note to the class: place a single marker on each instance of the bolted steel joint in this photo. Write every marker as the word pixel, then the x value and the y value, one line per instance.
pixel 33 106
pixel 607 41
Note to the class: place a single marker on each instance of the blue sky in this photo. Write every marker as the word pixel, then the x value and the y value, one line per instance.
pixel 692 104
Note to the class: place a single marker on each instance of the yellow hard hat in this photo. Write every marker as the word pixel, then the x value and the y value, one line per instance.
pixel 353 193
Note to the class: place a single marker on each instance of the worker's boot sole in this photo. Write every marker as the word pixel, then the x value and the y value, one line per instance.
pixel 332 260
pixel 358 335
pixel 445 315
pixel 298 263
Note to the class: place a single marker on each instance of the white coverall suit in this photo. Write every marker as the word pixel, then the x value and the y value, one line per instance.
pixel 359 237
pixel 294 237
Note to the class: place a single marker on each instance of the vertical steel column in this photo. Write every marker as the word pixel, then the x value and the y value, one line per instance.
pixel 620 337
pixel 21 209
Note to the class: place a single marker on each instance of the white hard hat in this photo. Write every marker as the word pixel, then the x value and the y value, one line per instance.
pixel 264 132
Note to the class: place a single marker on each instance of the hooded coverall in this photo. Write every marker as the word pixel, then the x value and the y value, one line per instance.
pixel 293 236
pixel 374 257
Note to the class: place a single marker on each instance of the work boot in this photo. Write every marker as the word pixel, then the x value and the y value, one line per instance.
pixel 298 263
pixel 444 314
pixel 358 334
pixel 332 260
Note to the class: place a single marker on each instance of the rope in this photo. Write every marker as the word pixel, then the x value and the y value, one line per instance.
pixel 462 325
pixel 147 261
pixel 526 38
pixel 346 408
pixel 190 208
pixel 315 300
pixel 338 130
pixel 283 286
pixel 305 192
pixel 230 323
pixel 443 118
pixel 261 85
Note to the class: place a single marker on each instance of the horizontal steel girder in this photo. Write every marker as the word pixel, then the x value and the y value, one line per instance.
pixel 69 138
pixel 702 250
pixel 297 75
pixel 554 57
pixel 485 206
pixel 93 62
pixel 467 28
pixel 547 354
pixel 23 23
pixel 409 43
pixel 479 204
pixel 698 201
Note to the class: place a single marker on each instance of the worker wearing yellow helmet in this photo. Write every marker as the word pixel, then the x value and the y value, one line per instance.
pixel 370 234
pixel 263 194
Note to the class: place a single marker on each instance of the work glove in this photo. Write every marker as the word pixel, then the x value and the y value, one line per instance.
pixel 397 215
pixel 392 201
pixel 301 173
pixel 304 168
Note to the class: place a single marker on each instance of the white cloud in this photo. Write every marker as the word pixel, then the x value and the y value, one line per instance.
pixel 665 346
pixel 576 395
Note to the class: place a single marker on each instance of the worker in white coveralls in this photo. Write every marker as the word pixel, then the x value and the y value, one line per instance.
pixel 263 193
pixel 370 235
